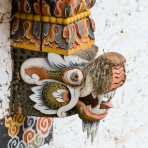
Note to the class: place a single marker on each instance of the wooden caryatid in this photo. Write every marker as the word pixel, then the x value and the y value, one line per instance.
pixel 58 70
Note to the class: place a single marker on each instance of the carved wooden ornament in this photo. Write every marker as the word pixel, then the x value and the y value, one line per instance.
pixel 57 72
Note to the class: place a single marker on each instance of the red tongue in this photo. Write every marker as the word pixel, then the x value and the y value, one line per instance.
pixel 106 105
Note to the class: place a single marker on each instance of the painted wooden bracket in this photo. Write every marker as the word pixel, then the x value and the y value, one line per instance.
pixel 57 72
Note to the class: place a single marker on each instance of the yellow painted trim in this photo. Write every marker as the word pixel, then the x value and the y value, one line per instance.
pixel 51 19
pixel 25 46
pixel 70 51
pixel 84 4
pixel 53 50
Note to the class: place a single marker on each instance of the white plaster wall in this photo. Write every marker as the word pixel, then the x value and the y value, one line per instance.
pixel 122 25
pixel 5 59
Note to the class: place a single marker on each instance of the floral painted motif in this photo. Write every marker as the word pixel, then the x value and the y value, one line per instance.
pixel 29 136
pixel 25 132
pixel 13 124
pixel 43 125
pixel 53 36
pixel 32 30
pixel 58 8
pixel 67 37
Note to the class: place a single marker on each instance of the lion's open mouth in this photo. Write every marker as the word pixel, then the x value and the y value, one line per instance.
pixel 107 77
pixel 91 109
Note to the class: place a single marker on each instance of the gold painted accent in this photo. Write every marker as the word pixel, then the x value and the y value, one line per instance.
pixel 25 46
pixel 54 50
pixel 51 19
pixel 84 4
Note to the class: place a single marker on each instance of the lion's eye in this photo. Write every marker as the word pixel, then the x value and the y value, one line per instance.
pixel 73 77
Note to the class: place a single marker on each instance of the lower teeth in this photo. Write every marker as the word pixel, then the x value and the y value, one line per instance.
pixel 98 111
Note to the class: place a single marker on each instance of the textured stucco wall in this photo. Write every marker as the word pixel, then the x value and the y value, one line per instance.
pixel 5 59
pixel 122 25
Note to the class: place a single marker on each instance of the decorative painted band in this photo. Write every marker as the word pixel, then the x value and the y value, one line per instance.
pixel 54 50
pixel 51 19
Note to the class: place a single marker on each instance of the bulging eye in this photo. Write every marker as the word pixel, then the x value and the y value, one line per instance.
pixel 73 77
